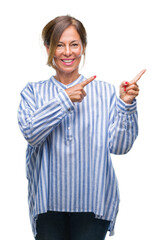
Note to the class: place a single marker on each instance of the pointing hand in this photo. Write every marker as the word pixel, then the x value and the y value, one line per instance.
pixel 130 90
pixel 77 93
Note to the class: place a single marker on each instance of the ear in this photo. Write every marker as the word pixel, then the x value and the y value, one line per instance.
pixel 83 50
pixel 47 49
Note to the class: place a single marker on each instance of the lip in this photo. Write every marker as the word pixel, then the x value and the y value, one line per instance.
pixel 68 59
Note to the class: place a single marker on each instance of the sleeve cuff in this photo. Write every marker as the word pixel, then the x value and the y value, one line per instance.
pixel 126 108
pixel 65 101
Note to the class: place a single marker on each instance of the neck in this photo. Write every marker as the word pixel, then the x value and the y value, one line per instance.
pixel 66 78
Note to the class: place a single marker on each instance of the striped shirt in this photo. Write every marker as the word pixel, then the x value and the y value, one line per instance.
pixel 68 157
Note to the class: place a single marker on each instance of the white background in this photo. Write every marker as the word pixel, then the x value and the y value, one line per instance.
pixel 124 36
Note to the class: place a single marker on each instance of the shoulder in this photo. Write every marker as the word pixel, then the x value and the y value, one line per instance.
pixel 30 86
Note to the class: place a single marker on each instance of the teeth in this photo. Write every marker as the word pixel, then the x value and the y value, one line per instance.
pixel 67 61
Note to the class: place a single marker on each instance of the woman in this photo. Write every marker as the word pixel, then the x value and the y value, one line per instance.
pixel 72 125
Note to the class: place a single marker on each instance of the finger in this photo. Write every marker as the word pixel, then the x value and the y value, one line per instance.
pixel 132 87
pixel 87 81
pixel 84 93
pixel 139 75
pixel 124 84
pixel 79 96
pixel 133 92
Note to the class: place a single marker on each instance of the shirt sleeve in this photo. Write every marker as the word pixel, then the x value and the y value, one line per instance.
pixel 123 125
pixel 37 123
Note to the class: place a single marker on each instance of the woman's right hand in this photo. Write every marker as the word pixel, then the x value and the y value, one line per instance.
pixel 77 93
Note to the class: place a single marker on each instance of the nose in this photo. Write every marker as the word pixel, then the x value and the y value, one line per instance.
pixel 68 51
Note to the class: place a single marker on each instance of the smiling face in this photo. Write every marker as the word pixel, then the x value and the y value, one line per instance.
pixel 68 53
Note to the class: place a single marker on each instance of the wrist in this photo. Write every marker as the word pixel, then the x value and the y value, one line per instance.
pixel 126 101
pixel 125 107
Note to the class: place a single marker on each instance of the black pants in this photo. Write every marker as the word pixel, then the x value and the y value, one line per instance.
pixel 70 226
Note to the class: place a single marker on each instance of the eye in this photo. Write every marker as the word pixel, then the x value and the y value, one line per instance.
pixel 75 44
pixel 59 45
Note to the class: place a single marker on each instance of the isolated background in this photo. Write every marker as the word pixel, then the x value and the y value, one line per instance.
pixel 124 36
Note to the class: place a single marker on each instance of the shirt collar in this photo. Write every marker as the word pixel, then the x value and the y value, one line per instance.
pixel 61 85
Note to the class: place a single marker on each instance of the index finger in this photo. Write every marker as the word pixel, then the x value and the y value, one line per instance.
pixel 139 75
pixel 87 81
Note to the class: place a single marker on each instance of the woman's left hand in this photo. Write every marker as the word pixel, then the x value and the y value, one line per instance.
pixel 130 90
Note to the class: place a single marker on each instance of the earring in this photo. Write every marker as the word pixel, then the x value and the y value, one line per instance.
pixel 53 62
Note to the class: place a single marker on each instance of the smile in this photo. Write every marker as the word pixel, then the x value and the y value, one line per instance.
pixel 68 61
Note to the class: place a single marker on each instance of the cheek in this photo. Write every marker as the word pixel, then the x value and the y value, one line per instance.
pixel 56 54
pixel 57 62
pixel 78 53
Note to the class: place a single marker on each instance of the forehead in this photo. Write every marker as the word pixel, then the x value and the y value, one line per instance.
pixel 69 34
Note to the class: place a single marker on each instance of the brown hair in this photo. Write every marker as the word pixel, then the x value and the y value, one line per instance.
pixel 52 32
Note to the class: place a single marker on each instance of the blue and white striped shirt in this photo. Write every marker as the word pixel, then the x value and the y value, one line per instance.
pixel 68 158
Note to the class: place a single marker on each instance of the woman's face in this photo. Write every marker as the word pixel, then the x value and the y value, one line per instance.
pixel 68 53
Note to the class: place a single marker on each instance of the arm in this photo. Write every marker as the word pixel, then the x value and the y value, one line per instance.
pixel 123 125
pixel 36 124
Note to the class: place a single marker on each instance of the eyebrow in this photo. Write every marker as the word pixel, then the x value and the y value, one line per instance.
pixel 71 41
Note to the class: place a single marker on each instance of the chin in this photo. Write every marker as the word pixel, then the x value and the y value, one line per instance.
pixel 68 70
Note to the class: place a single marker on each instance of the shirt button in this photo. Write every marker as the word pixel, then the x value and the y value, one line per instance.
pixel 69 128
